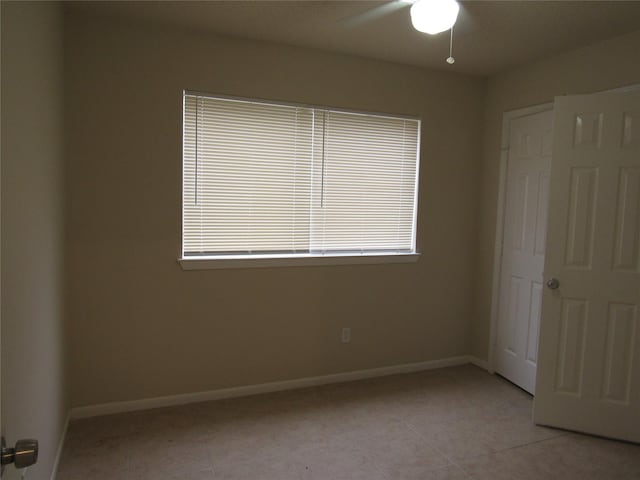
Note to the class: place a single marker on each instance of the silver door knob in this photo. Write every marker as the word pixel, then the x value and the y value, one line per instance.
pixel 23 455
pixel 553 283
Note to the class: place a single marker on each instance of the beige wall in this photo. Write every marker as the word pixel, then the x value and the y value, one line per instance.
pixel 603 66
pixel 33 384
pixel 141 327
pixel 138 325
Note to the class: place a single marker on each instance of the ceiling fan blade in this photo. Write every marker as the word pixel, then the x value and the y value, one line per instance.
pixel 376 12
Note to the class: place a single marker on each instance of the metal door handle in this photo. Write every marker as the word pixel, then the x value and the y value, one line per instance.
pixel 553 283
pixel 23 455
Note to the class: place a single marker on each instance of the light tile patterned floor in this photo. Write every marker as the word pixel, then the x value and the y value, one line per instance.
pixel 456 423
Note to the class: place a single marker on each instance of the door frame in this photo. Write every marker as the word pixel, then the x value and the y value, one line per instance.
pixel 507 118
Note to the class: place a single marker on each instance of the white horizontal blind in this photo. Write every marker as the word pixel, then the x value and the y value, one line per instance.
pixel 247 177
pixel 261 179
pixel 365 185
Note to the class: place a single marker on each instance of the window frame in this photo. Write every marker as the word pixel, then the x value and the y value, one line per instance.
pixel 225 261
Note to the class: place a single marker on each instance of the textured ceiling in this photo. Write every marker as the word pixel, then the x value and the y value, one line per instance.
pixel 490 36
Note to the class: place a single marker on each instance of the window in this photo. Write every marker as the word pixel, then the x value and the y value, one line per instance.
pixel 265 180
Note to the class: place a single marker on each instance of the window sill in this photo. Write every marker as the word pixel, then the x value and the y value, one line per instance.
pixel 211 263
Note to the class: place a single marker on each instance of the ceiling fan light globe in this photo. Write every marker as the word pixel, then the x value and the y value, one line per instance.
pixel 434 16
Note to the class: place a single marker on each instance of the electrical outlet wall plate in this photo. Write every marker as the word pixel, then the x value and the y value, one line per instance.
pixel 346 335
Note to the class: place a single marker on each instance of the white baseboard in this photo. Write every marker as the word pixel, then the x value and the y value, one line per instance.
pixel 483 364
pixel 63 436
pixel 182 399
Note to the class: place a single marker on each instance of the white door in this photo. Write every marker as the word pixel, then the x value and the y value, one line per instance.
pixel 589 358
pixel 523 245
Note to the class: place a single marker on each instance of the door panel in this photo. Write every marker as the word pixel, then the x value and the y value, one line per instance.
pixel 571 345
pixel 579 241
pixel 542 212
pixel 524 239
pixel 627 231
pixel 631 130
pixel 620 343
pixel 589 355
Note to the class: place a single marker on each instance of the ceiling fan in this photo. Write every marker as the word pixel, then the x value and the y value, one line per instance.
pixel 436 16
pixel 427 16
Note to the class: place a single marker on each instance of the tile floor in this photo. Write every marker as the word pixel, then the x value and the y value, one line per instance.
pixel 455 423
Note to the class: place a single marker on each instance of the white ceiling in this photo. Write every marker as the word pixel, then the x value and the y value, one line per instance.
pixel 490 36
